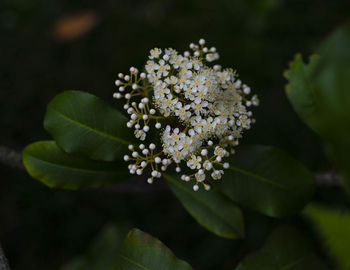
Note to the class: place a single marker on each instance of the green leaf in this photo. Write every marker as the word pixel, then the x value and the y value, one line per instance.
pixel 300 90
pixel 84 125
pixel 268 180
pixel 102 253
pixel 142 251
pixel 211 209
pixel 333 226
pixel 50 165
pixel 320 94
pixel 285 249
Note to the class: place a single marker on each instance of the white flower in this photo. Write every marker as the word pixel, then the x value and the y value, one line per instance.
pixel 204 108
pixel 194 162
pixel 217 174
pixel 154 53
pixel 200 177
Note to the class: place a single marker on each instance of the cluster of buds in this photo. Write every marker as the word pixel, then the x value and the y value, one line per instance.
pixel 200 113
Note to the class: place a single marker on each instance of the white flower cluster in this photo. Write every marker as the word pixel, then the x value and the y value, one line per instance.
pixel 204 110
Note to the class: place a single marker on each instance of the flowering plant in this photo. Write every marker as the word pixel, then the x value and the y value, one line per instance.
pixel 186 117
pixel 204 110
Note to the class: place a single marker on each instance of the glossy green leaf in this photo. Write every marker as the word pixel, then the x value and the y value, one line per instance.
pixel 142 251
pixel 46 162
pixel 333 226
pixel 211 209
pixel 84 125
pixel 285 249
pixel 320 94
pixel 268 180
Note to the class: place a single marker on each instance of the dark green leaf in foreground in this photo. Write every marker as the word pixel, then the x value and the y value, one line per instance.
pixel 285 249
pixel 320 94
pixel 333 226
pixel 268 180
pixel 144 252
pixel 49 164
pixel 211 209
pixel 84 125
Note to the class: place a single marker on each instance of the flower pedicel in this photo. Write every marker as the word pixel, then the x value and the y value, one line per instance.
pixel 199 111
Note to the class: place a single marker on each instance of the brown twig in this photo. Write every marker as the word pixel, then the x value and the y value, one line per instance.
pixel 3 261
pixel 12 158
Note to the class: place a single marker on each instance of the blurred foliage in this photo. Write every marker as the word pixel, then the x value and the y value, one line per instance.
pixel 319 92
pixel 42 228
pixel 285 248
pixel 332 225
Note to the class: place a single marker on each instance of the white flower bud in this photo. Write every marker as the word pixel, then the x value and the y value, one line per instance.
pixel 150 180
pixel 158 125
pixel 152 111
pixel 145 117
pixel 145 151
pixel 143 164
pixel 117 95
pixel 204 152
pixel 195 187
pixel 121 89
pixel 138 171
pixel 146 128
pixel 134 86
pixel 152 146
pixel 137 126
pixel 154 173
pixel 127 96
pixel 135 154
pixel 126 157
pixel 157 160
pixel 127 77
pixel 201 41
pixel 133 116
pixel 130 147
pixel 226 165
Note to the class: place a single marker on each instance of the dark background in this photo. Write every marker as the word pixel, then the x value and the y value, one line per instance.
pixel 50 46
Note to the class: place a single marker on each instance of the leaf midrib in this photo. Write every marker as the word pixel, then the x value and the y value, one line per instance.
pixel 73 168
pixel 134 262
pixel 101 133
pixel 259 177
pixel 205 204
pixel 286 267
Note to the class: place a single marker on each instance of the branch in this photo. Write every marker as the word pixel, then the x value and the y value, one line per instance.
pixel 3 261
pixel 13 158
